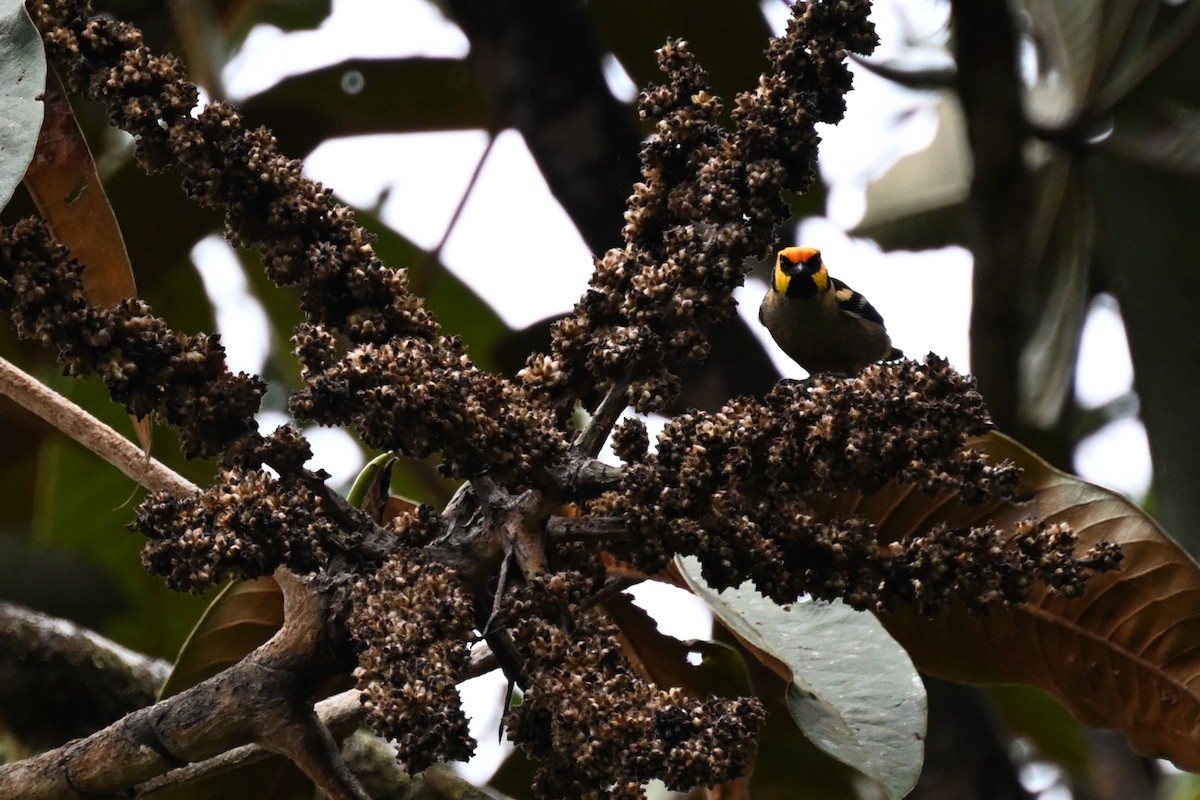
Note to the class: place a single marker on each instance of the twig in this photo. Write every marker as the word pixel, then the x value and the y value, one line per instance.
pixel 90 432
pixel 431 264
pixel 594 434
pixel 569 529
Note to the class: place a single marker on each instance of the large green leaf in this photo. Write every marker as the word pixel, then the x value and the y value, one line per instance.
pixel 1033 714
pixel 727 37
pixel 788 765
pixel 853 692
pixel 1060 247
pixel 22 79
pixel 361 96
pixel 1068 32
pixel 160 243
pixel 918 203
pixel 1149 244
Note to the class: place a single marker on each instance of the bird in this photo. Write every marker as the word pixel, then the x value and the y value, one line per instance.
pixel 820 322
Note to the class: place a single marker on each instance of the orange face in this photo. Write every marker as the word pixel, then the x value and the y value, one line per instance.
pixel 799 255
pixel 794 262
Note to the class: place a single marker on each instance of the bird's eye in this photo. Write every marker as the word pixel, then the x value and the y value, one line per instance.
pixel 814 262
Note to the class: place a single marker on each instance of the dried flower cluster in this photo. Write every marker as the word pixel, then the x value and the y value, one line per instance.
pixel 630 441
pixel 305 238
pixel 347 293
pixel 981 567
pixel 627 731
pixel 413 623
pixel 247 523
pixel 244 526
pixel 423 397
pixel 743 489
pixel 146 366
pixel 709 199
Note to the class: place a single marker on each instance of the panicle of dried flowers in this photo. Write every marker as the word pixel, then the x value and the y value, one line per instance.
pixel 745 490
pixel 358 309
pixel 709 199
pixel 628 731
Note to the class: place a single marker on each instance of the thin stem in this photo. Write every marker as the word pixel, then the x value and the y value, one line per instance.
pixel 432 263
pixel 594 434
pixel 90 432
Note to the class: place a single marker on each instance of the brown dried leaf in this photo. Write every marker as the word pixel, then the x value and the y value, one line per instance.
pixel 1125 655
pixel 243 616
pixel 664 660
pixel 63 182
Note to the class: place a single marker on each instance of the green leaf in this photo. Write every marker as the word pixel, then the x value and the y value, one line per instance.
pixel 918 203
pixel 402 95
pixel 1069 34
pixel 160 246
pixel 1033 714
pixel 728 38
pixel 369 477
pixel 1063 256
pixel 854 691
pixel 84 505
pixel 1169 141
pixel 1148 252
pixel 22 79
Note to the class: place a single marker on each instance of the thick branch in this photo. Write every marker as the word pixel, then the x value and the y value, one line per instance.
pixel 587 528
pixel 259 699
pixel 989 87
pixel 341 712
pixel 62 681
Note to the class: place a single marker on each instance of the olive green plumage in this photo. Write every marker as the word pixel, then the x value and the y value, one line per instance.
pixel 820 322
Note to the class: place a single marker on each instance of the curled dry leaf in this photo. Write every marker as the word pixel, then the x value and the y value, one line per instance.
pixel 63 182
pixel 1126 655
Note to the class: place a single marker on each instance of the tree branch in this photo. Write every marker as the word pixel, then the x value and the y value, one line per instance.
pixel 32 395
pixel 341 712
pixel 259 699
pixel 62 681
pixel 593 436
pixel 989 87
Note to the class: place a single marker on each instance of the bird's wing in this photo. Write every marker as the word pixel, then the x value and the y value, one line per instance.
pixel 854 303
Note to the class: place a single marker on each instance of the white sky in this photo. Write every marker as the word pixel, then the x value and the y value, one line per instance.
pixel 427 174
